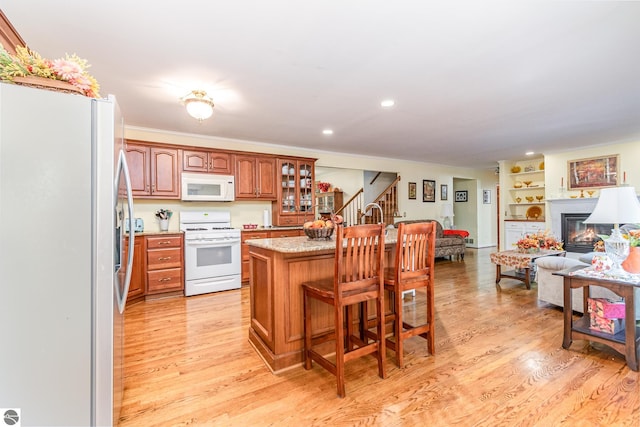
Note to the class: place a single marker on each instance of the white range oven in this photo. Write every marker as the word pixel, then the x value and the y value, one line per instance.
pixel 211 252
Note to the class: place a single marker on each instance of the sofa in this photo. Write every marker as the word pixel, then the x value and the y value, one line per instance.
pixel 551 288
pixel 446 246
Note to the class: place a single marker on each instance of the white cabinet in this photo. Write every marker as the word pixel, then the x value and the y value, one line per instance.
pixel 514 230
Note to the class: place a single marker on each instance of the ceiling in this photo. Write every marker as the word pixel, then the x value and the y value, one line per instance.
pixel 473 82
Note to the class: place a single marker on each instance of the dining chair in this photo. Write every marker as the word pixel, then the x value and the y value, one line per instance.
pixel 357 279
pixel 413 269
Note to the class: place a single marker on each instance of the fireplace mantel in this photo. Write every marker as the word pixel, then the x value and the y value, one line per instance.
pixel 559 206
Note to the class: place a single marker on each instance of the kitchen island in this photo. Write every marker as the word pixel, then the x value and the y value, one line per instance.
pixel 278 267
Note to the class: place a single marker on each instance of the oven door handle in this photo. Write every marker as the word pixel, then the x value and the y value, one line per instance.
pixel 211 243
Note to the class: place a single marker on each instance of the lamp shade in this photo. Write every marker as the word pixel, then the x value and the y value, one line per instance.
pixel 447 210
pixel 617 205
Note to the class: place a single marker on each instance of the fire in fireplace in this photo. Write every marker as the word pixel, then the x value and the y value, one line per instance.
pixel 580 237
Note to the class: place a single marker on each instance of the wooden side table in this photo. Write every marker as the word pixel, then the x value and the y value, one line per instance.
pixel 518 260
pixel 627 343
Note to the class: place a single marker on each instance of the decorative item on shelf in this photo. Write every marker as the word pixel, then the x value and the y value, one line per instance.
pixel 164 215
pixel 249 226
pixel 541 166
pixel 591 192
pixel 518 199
pixel 582 194
pixel 66 74
pixel 517 184
pixel 534 212
pixel 529 168
pixel 535 242
pixel 527 183
pixel 539 198
pixel 617 205
pixel 323 186
pixel 529 199
pixel 516 169
pixel 573 196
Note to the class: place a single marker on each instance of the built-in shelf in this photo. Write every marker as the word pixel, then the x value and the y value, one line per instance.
pixel 539 187
pixel 541 202
pixel 527 173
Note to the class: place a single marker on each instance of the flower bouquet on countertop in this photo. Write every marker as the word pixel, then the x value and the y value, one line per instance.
pixel 534 242
pixel 164 214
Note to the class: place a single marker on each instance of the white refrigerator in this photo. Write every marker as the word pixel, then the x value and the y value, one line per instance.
pixel 64 197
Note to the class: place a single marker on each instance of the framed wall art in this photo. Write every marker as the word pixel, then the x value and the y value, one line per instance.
pixel 444 192
pixel 462 196
pixel 594 172
pixel 428 190
pixel 412 190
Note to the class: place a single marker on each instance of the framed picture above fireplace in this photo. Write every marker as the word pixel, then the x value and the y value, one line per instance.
pixel 594 172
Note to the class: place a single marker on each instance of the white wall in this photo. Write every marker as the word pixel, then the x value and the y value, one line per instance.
pixel 244 212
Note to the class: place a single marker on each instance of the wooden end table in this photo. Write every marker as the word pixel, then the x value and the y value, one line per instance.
pixel 518 260
pixel 626 343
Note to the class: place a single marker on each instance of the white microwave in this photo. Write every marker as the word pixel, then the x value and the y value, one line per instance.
pixel 204 187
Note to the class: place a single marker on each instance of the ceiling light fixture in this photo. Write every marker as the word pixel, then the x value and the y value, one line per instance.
pixel 327 132
pixel 199 105
pixel 529 153
pixel 387 103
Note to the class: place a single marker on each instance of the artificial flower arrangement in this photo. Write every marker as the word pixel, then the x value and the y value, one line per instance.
pixel 70 69
pixel 164 214
pixel 534 242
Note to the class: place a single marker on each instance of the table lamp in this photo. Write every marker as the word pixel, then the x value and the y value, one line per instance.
pixel 447 212
pixel 617 205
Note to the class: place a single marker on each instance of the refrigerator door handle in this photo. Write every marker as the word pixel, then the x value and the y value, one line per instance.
pixel 124 169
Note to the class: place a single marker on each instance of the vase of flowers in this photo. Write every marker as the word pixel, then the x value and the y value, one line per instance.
pixel 164 215
pixel 632 263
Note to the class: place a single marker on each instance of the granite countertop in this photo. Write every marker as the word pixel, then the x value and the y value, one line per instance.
pixel 304 244
pixel 156 233
pixel 275 228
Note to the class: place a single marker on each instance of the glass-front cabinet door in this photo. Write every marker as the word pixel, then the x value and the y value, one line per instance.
pixel 305 192
pixel 295 203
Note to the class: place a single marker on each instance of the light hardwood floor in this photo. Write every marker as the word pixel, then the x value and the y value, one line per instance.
pixel 499 362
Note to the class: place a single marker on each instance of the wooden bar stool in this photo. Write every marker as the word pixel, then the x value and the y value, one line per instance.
pixel 413 269
pixel 358 278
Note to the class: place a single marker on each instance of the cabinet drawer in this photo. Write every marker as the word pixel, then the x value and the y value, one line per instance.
pixel 164 258
pixel 286 233
pixel 164 242
pixel 289 220
pixel 164 280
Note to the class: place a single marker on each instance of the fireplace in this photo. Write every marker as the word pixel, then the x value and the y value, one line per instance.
pixel 578 236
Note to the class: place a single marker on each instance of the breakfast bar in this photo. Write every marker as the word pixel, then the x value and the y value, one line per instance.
pixel 278 267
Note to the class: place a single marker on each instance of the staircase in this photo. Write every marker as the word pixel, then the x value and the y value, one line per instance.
pixel 353 210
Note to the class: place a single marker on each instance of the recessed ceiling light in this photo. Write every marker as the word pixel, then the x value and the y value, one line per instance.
pixel 327 132
pixel 529 153
pixel 388 103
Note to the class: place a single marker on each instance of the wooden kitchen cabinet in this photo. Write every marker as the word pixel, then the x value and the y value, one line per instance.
pixel 137 287
pixel 164 263
pixel 296 202
pixel 207 162
pixel 154 170
pixel 255 177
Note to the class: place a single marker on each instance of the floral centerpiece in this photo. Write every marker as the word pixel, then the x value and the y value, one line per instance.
pixel 27 63
pixel 534 242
